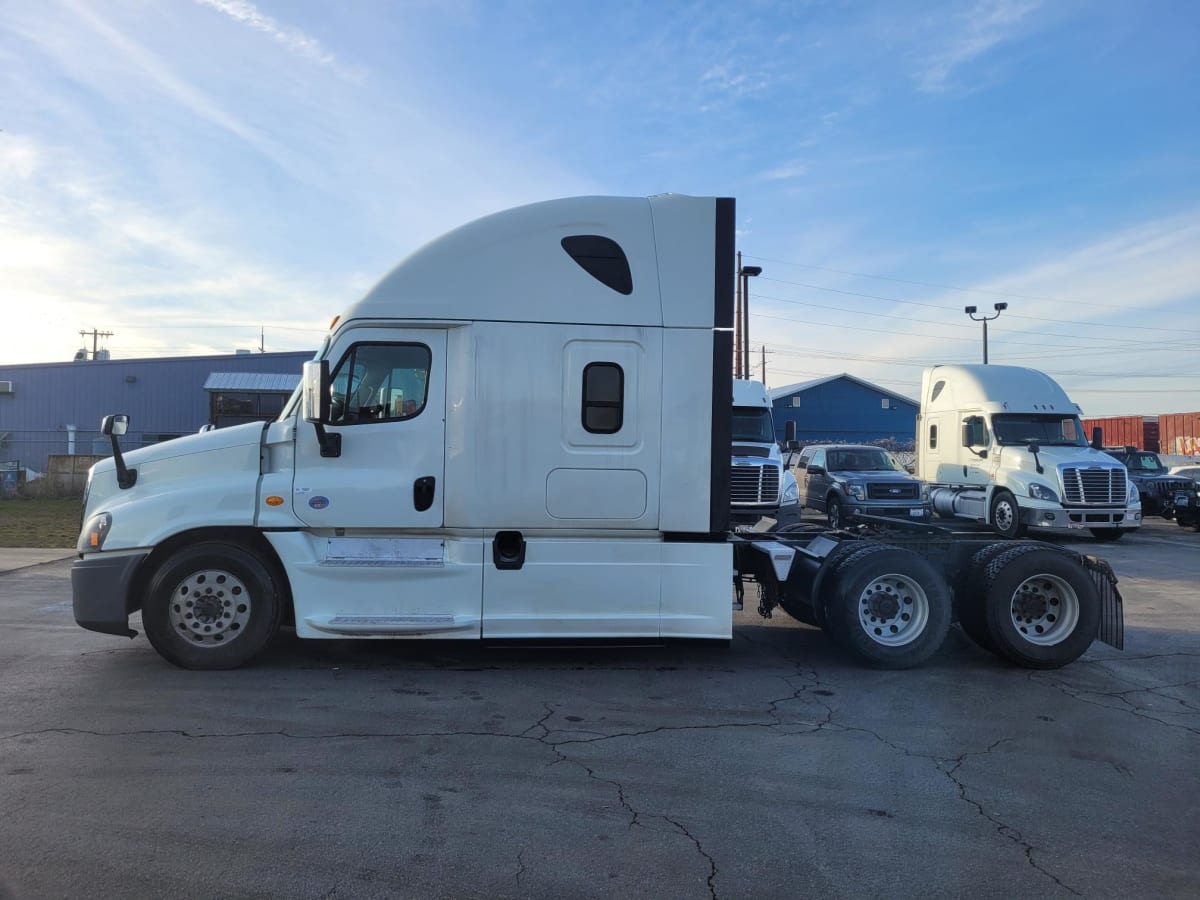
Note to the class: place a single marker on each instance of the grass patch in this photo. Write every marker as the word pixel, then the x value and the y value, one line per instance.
pixel 41 522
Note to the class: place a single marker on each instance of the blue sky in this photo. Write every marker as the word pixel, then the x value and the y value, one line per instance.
pixel 185 173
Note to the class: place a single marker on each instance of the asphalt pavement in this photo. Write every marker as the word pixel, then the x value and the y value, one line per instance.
pixel 774 768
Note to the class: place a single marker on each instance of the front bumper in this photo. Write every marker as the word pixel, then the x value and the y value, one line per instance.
pixel 909 512
pixel 1076 518
pixel 100 593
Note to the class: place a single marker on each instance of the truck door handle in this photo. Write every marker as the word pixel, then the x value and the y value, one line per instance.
pixel 423 491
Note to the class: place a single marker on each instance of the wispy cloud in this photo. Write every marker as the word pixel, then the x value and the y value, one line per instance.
pixel 785 172
pixel 292 39
pixel 987 24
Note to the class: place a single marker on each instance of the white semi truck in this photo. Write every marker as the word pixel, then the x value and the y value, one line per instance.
pixel 475 454
pixel 1004 445
pixel 760 486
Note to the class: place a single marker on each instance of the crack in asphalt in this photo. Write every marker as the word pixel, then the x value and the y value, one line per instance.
pixel 1002 828
pixel 521 864
pixel 1081 694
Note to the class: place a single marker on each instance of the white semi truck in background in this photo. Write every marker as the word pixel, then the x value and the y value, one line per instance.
pixel 760 486
pixel 1004 445
pixel 476 455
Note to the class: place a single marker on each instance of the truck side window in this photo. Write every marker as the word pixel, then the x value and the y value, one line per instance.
pixel 932 437
pixel 603 398
pixel 379 383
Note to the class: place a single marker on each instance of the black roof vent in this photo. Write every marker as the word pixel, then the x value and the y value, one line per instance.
pixel 602 258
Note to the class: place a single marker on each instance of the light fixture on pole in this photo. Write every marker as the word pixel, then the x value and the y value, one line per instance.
pixel 971 310
pixel 746 273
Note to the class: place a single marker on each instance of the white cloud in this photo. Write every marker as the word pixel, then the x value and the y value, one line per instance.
pixel 785 172
pixel 293 39
pixel 986 25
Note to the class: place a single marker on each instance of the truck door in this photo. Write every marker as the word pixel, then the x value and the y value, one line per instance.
pixel 388 406
pixel 376 561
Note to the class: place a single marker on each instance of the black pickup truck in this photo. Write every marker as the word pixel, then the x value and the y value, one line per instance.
pixel 1156 487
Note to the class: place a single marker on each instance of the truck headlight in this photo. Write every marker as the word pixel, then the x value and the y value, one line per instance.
pixel 791 491
pixel 857 491
pixel 91 538
pixel 1041 492
pixel 924 491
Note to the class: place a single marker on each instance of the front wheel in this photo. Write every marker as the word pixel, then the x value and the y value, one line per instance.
pixel 887 607
pixel 833 507
pixel 1006 515
pixel 212 605
pixel 1108 535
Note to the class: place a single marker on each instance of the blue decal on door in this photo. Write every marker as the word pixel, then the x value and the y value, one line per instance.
pixel 318 502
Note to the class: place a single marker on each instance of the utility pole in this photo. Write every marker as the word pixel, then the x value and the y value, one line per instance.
pixel 971 310
pixel 764 364
pixel 745 273
pixel 96 335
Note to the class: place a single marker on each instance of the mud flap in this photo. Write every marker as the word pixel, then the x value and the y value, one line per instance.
pixel 1112 606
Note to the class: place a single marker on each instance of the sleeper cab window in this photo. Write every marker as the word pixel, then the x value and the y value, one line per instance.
pixel 603 398
pixel 602 258
pixel 379 383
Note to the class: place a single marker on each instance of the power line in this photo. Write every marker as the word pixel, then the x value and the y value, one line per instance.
pixel 818 287
pixel 934 284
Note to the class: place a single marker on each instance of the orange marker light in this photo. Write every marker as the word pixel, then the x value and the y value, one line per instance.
pixel 94 539
pixel 334 322
pixel 274 501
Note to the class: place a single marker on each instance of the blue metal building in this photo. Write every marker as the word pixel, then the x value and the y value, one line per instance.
pixel 52 408
pixel 842 408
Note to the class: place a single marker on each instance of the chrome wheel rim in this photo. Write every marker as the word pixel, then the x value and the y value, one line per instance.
pixel 1004 515
pixel 1044 610
pixel 893 610
pixel 835 515
pixel 210 607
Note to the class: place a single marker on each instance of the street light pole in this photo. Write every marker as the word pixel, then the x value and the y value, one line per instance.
pixel 745 273
pixel 971 310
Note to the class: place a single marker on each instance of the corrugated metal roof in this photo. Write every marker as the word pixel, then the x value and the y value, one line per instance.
pixel 255 382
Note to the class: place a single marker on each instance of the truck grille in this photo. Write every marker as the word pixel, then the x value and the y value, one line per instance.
pixel 754 484
pixel 901 491
pixel 1167 489
pixel 1094 484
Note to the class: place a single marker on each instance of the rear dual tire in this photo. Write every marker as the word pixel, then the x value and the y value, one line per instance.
pixel 887 607
pixel 1035 606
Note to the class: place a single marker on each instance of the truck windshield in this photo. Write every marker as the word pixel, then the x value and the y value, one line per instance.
pixel 1048 430
pixel 862 460
pixel 753 424
pixel 1145 462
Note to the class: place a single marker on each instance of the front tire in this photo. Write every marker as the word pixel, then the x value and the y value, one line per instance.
pixel 887 607
pixel 833 510
pixel 1006 515
pixel 213 605
pixel 1041 606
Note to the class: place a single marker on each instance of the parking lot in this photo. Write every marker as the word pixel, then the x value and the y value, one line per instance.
pixel 774 768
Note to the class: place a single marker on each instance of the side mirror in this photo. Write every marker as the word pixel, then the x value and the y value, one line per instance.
pixel 816 470
pixel 117 425
pixel 314 404
pixel 789 433
pixel 1097 438
pixel 793 444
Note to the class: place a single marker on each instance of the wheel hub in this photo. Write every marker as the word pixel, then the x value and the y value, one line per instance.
pixel 210 607
pixel 1030 603
pixel 893 610
pixel 883 605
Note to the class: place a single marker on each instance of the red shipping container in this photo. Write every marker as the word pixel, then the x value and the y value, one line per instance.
pixel 1180 433
pixel 1125 431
